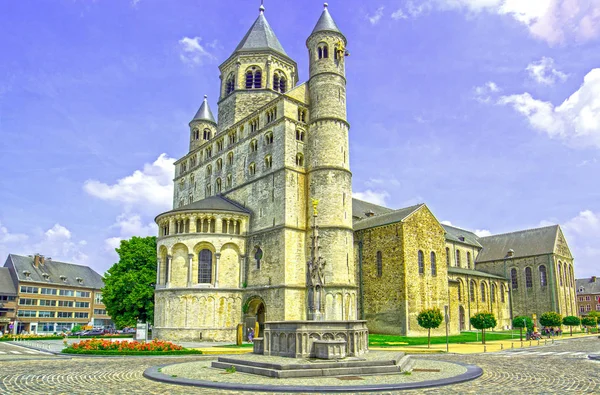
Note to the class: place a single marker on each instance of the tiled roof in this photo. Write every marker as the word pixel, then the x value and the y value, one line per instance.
pixel 212 203
pixel 589 286
pixel 471 272
pixel 326 23
pixel 360 208
pixel 528 242
pixel 204 113
pixel 55 269
pixel 7 287
pixel 260 37
pixel 461 236
pixel 385 218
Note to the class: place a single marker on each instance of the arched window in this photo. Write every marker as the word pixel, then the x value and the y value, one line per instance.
pixel 268 162
pixel 543 276
pixel 230 158
pixel 252 169
pixel 282 84
pixel 457 258
pixel 528 278
pixel 230 84
pixel 218 186
pixel 206 134
pixel 208 170
pixel 472 290
pixel 208 190
pixel 483 291
pixel 421 262
pixel 299 135
pixel 229 180
pixel 205 266
pixel 468 259
pixel 254 78
pixel 196 134
pixel 276 82
pixel 447 256
pixel 253 146
pixel 493 293
pixel 379 264
pixel 208 152
pixel 560 276
pixel 320 52
pixel 502 293
pixel 269 138
pixel 219 164
pixel 258 255
pixel 299 159
pixel 513 278
pixel 433 264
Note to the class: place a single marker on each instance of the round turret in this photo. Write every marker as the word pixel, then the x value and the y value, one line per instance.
pixel 203 126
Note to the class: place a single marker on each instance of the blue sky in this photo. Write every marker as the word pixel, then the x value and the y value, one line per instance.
pixel 486 110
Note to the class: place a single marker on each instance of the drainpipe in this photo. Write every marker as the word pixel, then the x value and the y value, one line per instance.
pixel 360 280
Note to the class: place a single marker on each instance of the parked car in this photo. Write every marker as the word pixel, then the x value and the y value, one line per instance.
pixel 128 330
pixel 96 332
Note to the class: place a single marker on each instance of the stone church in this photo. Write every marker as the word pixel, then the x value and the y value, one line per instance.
pixel 234 248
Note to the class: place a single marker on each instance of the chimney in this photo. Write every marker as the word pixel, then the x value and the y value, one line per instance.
pixel 510 253
pixel 36 260
pixel 369 213
pixel 42 260
pixel 593 279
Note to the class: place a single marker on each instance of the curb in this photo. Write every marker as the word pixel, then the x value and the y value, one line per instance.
pixel 472 373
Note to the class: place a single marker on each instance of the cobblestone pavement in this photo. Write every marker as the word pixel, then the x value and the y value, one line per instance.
pixel 530 374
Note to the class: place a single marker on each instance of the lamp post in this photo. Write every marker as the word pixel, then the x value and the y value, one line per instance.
pixel 509 255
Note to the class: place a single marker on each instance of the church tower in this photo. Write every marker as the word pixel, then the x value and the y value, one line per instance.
pixel 203 126
pixel 328 169
pixel 256 73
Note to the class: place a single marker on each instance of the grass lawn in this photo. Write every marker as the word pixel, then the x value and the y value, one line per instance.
pixel 465 337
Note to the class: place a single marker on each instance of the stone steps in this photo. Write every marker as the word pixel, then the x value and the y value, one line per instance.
pixel 400 363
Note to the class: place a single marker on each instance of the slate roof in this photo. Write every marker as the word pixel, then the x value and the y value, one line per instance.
pixel 360 208
pixel 260 37
pixel 7 286
pixel 212 203
pixel 326 23
pixel 524 243
pixel 589 287
pixel 455 234
pixel 204 113
pixel 55 269
pixel 471 272
pixel 385 218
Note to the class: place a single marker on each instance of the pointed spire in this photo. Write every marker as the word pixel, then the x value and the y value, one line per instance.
pixel 260 36
pixel 204 113
pixel 326 22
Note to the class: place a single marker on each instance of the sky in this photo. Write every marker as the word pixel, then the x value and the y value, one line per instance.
pixel 488 111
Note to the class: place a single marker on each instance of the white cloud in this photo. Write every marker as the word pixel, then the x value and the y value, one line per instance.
pixel 582 233
pixel 399 14
pixel 482 232
pixel 192 52
pixel 553 21
pixel 9 238
pixel 150 188
pixel 446 223
pixel 543 72
pixel 576 121
pixel 483 93
pixel 375 18
pixel 375 197
pixel 111 243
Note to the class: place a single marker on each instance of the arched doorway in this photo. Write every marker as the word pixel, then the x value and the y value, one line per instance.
pixel 255 314
pixel 461 317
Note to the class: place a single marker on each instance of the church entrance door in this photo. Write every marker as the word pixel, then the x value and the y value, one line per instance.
pixel 255 316
pixel 461 315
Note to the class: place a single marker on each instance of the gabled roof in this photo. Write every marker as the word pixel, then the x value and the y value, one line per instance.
pixel 360 209
pixel 326 23
pixel 524 243
pixel 204 113
pixel 260 37
pixel 212 203
pixel 55 269
pixel 7 286
pixel 588 284
pixel 386 218
pixel 471 272
pixel 459 235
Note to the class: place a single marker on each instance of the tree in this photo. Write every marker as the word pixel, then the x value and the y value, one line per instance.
pixel 571 321
pixel 483 321
pixel 522 321
pixel 128 292
pixel 589 321
pixel 430 318
pixel 594 314
pixel 551 319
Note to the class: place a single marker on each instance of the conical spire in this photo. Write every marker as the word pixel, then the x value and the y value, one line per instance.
pixel 326 23
pixel 204 113
pixel 260 36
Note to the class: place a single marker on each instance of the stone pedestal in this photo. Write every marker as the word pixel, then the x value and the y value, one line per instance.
pixel 296 339
pixel 259 345
pixel 330 349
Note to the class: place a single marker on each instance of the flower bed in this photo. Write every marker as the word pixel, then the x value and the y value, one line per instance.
pixel 108 347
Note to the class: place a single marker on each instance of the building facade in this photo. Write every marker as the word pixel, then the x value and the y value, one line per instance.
pixel 588 295
pixel 235 246
pixel 8 301
pixel 53 296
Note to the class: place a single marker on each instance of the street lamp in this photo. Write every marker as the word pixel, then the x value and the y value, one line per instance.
pixel 509 255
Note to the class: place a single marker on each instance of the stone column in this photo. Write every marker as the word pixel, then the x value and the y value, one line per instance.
pixel 217 258
pixel 269 82
pixel 158 262
pixel 190 263
pixel 242 269
pixel 171 226
pixel 169 270
pixel 193 224
pixel 218 224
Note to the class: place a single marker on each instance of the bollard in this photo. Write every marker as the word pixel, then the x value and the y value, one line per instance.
pixel 502 346
pixel 512 345
pixel 521 344
pixel 484 348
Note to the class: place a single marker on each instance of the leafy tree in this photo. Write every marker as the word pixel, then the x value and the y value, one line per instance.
pixel 483 321
pixel 594 314
pixel 550 319
pixel 430 318
pixel 589 321
pixel 128 292
pixel 571 321
pixel 76 328
pixel 522 321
